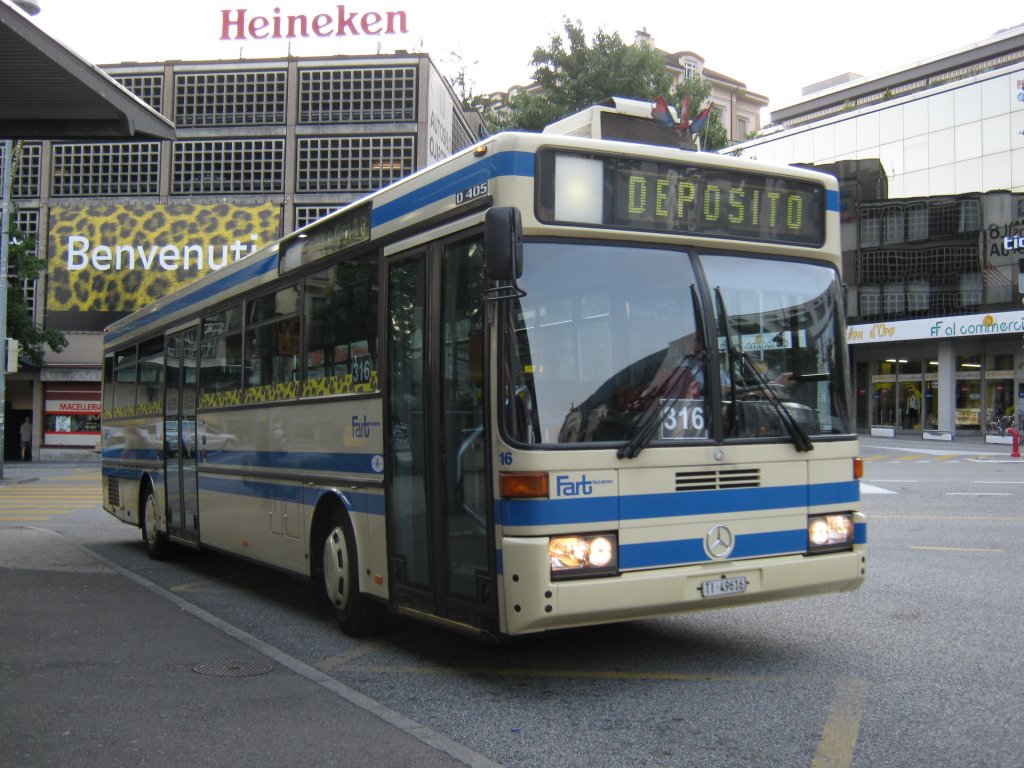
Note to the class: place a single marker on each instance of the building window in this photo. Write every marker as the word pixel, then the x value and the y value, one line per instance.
pixel 357 95
pixel 892 225
pixel 148 88
pixel 917 222
pixel 353 163
pixel 28 223
pixel 230 98
pixel 870 228
pixel 26 165
pixel 691 68
pixel 228 167
pixel 87 170
pixel 307 214
pixel 461 137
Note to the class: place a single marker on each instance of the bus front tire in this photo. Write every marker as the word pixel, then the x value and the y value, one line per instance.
pixel 157 545
pixel 352 609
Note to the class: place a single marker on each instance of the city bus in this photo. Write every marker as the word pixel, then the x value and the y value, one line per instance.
pixel 548 382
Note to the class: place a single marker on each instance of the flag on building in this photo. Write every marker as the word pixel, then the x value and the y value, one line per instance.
pixel 684 115
pixel 661 114
pixel 700 120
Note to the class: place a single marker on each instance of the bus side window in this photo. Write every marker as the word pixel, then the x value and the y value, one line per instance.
pixel 341 327
pixel 124 378
pixel 220 353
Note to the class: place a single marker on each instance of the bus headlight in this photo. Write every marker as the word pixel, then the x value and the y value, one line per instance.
pixel 587 555
pixel 829 532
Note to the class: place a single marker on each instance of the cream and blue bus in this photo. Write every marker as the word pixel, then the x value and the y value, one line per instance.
pixel 548 382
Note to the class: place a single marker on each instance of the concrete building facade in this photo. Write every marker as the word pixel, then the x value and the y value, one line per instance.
pixel 262 147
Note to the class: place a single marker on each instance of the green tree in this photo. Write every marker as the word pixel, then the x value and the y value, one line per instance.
pixel 572 74
pixel 24 266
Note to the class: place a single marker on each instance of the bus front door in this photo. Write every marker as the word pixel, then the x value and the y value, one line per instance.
pixel 441 560
pixel 180 435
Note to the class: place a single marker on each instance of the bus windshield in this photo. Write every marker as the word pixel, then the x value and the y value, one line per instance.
pixel 616 343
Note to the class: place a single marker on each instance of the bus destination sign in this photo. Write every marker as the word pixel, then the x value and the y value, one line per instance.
pixel 703 201
pixel 329 237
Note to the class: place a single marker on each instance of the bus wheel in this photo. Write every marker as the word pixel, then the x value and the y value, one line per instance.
pixel 341 578
pixel 157 544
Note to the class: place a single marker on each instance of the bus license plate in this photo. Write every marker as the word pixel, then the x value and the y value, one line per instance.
pixel 717 587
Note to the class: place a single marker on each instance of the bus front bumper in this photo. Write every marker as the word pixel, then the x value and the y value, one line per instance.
pixel 537 604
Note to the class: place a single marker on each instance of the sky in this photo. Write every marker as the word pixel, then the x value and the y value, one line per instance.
pixel 775 48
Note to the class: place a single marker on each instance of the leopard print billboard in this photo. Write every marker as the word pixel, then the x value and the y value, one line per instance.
pixel 118 258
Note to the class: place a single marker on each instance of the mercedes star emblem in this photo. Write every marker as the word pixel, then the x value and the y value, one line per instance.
pixel 719 542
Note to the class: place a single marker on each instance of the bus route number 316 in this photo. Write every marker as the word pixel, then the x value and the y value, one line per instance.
pixel 683 420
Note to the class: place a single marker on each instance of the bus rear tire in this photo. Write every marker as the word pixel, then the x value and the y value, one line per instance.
pixel 157 545
pixel 340 571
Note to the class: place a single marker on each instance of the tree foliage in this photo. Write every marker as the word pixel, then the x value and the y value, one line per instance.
pixel 23 265
pixel 572 74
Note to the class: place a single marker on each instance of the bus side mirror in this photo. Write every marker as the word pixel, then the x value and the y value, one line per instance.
pixel 503 244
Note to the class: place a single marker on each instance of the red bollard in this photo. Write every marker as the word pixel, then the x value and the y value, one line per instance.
pixel 1015 453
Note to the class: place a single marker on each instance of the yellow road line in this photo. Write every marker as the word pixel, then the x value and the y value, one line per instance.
pixel 956 549
pixel 989 518
pixel 835 747
pixel 340 660
pixel 5 514
pixel 839 738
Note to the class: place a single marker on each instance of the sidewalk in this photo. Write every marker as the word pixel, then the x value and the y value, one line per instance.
pixel 16 472
pixel 101 668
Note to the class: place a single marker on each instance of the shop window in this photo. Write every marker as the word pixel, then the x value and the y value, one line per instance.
pixel 968 392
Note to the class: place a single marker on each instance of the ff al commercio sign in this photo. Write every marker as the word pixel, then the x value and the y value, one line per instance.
pixel 107 260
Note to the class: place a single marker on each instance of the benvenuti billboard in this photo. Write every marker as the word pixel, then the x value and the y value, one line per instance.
pixel 107 260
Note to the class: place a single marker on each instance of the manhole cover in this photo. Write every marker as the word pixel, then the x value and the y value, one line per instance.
pixel 233 668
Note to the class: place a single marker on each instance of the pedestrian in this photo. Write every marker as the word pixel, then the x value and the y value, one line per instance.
pixel 26 439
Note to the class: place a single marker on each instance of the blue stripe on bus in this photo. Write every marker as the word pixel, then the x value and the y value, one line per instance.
pixel 847 492
pixel 661 554
pixel 357 501
pixel 312 461
pixel 133 454
pixel 204 293
pixel 517 512
pixel 500 164
pixel 122 473
pixel 831 200
pixel 860 533
pixel 610 509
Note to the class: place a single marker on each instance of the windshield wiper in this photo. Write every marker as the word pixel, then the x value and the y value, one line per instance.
pixel 801 440
pixel 663 399
pixel 662 402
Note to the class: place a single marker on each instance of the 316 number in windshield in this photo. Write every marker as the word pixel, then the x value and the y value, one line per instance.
pixel 684 420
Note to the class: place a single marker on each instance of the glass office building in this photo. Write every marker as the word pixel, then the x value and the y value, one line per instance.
pixel 931 167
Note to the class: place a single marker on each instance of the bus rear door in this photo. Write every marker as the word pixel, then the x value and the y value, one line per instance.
pixel 180 434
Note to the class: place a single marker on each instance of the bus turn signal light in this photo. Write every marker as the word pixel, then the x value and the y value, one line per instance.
pixel 858 468
pixel 524 485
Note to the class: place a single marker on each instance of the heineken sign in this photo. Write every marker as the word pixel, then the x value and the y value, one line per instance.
pixel 339 21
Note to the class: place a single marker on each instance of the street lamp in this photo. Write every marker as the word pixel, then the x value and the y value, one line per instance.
pixel 31 7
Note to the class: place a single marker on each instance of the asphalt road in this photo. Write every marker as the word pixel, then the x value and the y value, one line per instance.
pixel 921 666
